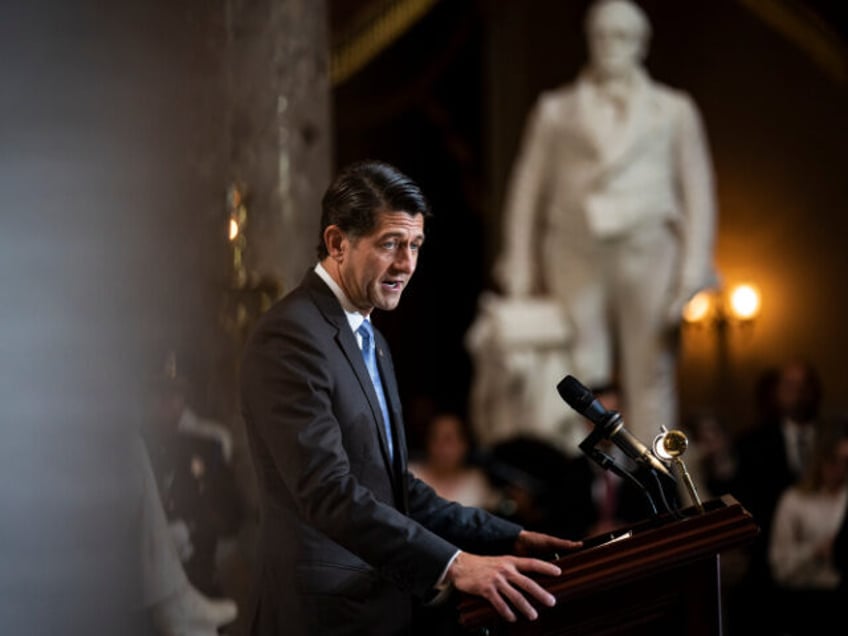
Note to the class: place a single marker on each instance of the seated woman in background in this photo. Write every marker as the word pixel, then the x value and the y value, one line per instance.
pixel 806 522
pixel 445 465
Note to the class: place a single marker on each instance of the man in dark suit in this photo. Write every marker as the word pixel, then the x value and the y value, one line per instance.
pixel 349 538
pixel 771 458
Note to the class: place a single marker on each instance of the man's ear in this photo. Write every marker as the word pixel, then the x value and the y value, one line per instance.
pixel 336 241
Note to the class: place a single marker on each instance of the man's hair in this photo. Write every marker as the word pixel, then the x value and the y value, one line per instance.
pixel 361 192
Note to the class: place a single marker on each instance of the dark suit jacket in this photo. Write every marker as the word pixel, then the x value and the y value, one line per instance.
pixel 764 471
pixel 346 539
pixel 763 474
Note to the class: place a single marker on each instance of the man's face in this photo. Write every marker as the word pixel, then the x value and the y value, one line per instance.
pixel 795 393
pixel 615 40
pixel 375 269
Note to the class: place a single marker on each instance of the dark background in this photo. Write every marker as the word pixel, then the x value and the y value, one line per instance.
pixel 115 155
pixel 447 104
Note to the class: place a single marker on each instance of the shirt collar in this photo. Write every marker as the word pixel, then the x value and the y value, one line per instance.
pixel 354 318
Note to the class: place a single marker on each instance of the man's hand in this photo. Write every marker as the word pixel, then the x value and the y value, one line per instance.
pixel 500 581
pixel 537 544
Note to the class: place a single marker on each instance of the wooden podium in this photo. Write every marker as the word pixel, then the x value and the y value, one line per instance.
pixel 658 577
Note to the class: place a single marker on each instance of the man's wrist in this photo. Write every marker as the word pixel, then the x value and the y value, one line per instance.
pixel 444 580
pixel 444 585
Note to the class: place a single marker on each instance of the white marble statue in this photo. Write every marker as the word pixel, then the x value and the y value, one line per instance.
pixel 519 349
pixel 611 210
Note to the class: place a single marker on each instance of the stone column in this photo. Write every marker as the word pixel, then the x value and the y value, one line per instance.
pixel 280 147
pixel 280 135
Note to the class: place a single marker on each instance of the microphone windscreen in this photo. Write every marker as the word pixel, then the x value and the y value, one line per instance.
pixel 575 394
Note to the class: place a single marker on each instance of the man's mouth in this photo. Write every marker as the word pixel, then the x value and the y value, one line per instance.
pixel 394 285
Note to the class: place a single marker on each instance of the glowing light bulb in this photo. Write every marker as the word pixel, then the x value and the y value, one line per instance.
pixel 234 229
pixel 698 308
pixel 744 302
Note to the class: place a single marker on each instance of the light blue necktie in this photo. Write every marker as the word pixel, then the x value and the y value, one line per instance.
pixel 367 332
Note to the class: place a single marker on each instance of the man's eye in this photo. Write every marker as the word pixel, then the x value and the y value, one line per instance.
pixel 415 246
pixel 390 245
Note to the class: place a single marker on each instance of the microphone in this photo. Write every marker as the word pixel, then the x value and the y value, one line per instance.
pixel 608 424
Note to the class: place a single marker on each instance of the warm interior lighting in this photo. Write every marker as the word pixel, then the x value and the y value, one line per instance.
pixel 744 302
pixel 234 229
pixel 698 308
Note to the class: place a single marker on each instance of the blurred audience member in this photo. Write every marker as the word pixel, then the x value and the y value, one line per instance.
pixel 175 606
pixel 806 522
pixel 840 555
pixel 196 485
pixel 771 457
pixel 445 465
pixel 765 395
pixel 531 473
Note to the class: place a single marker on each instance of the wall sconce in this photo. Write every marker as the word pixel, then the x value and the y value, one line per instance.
pixel 721 311
pixel 248 293
pixel 235 232
pixel 738 305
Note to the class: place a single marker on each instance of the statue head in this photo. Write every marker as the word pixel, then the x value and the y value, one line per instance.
pixel 618 33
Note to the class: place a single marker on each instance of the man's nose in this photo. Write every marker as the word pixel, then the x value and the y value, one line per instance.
pixel 405 259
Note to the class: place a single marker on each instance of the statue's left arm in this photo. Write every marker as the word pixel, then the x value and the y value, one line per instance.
pixel 696 187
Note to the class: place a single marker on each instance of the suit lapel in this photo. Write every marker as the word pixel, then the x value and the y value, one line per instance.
pixel 329 305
